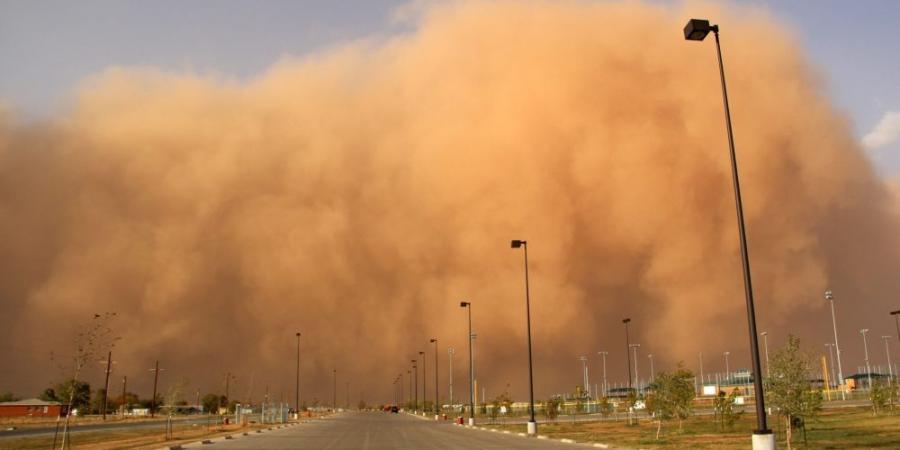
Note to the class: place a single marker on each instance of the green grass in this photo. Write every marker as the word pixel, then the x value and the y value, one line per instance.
pixel 845 429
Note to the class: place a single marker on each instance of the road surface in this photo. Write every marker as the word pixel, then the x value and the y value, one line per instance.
pixel 383 431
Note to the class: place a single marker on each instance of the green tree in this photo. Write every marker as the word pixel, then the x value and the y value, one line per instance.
pixel 882 395
pixel 789 390
pixel 49 395
pixel 211 402
pixel 7 397
pixel 361 405
pixel 78 392
pixel 672 396
pixel 606 407
pixel 551 408
pixel 725 414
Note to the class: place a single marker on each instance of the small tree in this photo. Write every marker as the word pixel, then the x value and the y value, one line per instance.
pixel 7 397
pixel 882 395
pixel 606 407
pixel 725 413
pixel 551 408
pixel 672 396
pixel 789 390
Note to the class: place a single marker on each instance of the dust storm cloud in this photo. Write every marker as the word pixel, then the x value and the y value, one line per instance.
pixel 358 194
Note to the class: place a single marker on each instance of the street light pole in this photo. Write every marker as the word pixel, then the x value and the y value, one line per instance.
pixel 866 347
pixel 637 379
pixel 762 436
pixel 887 352
pixel 626 321
pixel 605 386
pixel 424 383
pixel 297 387
pixel 830 346
pixel 652 372
pixel 468 306
pixel 532 424
pixel 727 368
pixel 416 389
pixel 701 372
pixel 837 348
pixel 896 315
pixel 450 353
pixel 437 410
pixel 584 374
pixel 765 335
pixel 334 391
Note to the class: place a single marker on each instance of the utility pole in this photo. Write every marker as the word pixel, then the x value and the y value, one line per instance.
pixel 627 351
pixel 106 388
pixel 155 382
pixel 437 409
pixel 652 371
pixel 334 392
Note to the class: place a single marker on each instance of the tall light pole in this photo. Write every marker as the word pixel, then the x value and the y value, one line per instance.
pixel 696 30
pixel 532 424
pixel 652 372
pixel 701 372
pixel 409 394
pixel 468 306
pixel 297 389
pixel 837 348
pixel 887 353
pixel 424 382
pixel 437 410
pixel 830 347
pixel 637 379
pixel 626 321
pixel 584 374
pixel 866 347
pixel 334 391
pixel 896 315
pixel 450 353
pixel 727 368
pixel 605 386
pixel 765 335
pixel 416 388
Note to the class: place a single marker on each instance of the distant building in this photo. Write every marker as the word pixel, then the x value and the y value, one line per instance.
pixel 32 407
pixel 861 380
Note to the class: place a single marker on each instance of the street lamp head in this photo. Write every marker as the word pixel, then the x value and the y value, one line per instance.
pixel 626 320
pixel 764 333
pixel 517 243
pixel 421 353
pixel 886 337
pixel 298 334
pixel 697 29
pixel 894 313
pixel 464 304
pixel 433 340
pixel 828 295
pixel 864 330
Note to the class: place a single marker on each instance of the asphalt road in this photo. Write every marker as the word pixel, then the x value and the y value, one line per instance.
pixel 382 431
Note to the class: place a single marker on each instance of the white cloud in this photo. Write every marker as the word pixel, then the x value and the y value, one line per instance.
pixel 886 132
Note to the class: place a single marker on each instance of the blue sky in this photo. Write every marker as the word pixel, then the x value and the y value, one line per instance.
pixel 47 47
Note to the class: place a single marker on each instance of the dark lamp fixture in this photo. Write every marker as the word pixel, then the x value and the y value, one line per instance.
pixel 697 29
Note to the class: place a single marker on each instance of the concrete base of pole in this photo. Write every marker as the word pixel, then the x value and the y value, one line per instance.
pixel 471 422
pixel 763 441
pixel 532 428
pixel 437 417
